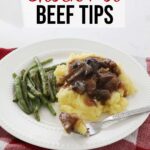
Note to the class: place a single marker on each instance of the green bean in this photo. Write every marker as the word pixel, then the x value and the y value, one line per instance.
pixel 22 73
pixel 31 96
pixel 25 94
pixel 43 100
pixel 21 106
pixel 14 91
pixel 54 83
pixel 25 74
pixel 33 74
pixel 24 90
pixel 49 60
pixel 19 95
pixel 51 109
pixel 47 69
pixel 52 68
pixel 45 62
pixel 14 75
pixel 37 82
pixel 37 103
pixel 15 100
pixel 36 109
pixel 32 88
pixel 35 70
pixel 31 80
pixel 36 114
pixel 48 105
pixel 24 87
pixel 50 88
pixel 43 77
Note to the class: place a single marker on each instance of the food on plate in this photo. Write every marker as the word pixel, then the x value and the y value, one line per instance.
pixel 72 123
pixel 90 85
pixel 85 87
pixel 35 87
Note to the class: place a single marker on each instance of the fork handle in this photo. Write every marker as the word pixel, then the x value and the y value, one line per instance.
pixel 126 114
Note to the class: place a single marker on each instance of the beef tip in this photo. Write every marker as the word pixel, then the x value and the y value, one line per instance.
pixel 90 86
pixel 105 77
pixel 99 84
pixel 75 75
pixel 79 87
pixel 113 66
pixel 116 70
pixel 95 64
pixel 102 95
pixel 98 77
pixel 109 62
pixel 81 71
pixel 103 70
pixel 68 121
pixel 112 84
pixel 102 64
pixel 87 69
pixel 75 65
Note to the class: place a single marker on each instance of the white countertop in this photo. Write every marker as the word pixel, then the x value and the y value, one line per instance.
pixel 134 38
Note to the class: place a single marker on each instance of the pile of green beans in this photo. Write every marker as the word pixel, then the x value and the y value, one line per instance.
pixel 35 87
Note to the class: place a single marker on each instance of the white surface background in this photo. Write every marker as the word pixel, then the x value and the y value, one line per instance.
pixel 134 38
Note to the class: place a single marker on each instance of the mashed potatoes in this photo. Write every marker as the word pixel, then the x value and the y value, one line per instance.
pixel 72 102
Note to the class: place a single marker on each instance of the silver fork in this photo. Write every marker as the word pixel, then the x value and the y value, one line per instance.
pixel 95 127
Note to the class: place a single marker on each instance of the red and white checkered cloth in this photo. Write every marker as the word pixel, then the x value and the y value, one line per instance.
pixel 139 140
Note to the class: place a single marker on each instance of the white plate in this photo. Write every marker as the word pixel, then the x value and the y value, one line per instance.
pixel 49 132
